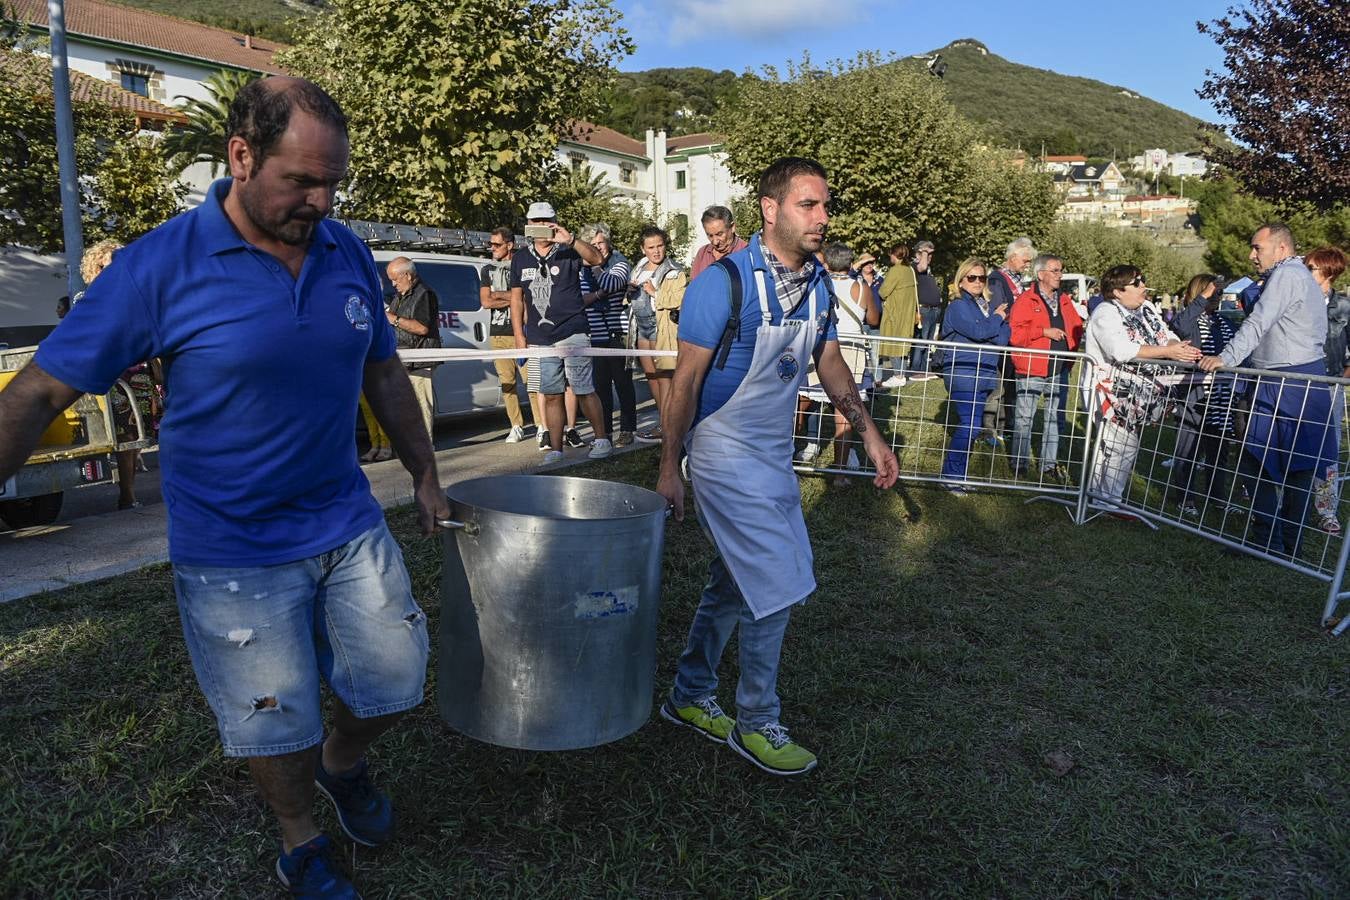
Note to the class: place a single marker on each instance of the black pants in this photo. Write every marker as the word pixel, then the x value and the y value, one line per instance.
pixel 1201 466
pixel 611 377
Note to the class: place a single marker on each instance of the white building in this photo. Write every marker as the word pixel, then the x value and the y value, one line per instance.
pixel 1158 160
pixel 146 53
pixel 669 178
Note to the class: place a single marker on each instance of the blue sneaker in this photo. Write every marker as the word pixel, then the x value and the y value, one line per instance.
pixel 307 871
pixel 363 812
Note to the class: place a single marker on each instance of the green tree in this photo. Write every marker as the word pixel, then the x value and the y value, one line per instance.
pixel 456 106
pixel 1229 217
pixel 125 185
pixel 902 164
pixel 202 138
pixel 581 197
pixel 1093 247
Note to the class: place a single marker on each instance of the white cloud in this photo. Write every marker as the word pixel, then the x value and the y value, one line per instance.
pixel 696 20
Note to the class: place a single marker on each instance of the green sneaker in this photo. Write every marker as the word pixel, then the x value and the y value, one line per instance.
pixel 704 716
pixel 772 750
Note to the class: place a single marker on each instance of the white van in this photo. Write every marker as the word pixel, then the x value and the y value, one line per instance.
pixel 467 386
pixel 1078 287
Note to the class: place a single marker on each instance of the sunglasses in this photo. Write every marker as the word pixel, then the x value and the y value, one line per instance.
pixel 976 278
pixel 498 244
pixel 1138 281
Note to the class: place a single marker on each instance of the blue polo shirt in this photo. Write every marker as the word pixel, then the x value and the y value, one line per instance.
pixel 707 306
pixel 257 444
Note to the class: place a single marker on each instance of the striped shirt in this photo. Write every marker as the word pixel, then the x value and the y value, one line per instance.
pixel 606 316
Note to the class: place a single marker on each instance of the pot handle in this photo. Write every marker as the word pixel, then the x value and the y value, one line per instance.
pixel 470 528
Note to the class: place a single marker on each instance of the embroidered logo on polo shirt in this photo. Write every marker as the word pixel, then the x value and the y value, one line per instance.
pixel 787 367
pixel 357 313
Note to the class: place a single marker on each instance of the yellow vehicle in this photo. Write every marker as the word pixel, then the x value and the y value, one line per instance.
pixel 76 451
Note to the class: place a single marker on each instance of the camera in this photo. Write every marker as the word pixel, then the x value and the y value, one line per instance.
pixel 539 232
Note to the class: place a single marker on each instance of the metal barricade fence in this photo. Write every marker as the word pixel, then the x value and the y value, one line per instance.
pixel 1248 458
pixel 993 429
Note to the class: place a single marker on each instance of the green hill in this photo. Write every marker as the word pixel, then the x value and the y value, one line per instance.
pixel 1023 106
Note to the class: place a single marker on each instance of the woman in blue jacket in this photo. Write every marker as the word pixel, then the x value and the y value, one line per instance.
pixel 970 373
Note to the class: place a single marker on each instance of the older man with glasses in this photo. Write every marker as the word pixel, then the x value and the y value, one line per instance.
pixel 1042 318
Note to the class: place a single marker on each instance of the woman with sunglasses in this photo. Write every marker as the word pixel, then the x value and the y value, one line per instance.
pixel 972 372
pixel 1125 328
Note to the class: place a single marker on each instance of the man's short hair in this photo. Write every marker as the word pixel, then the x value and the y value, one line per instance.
pixel 1278 232
pixel 505 233
pixel 924 245
pixel 838 256
pixel 777 178
pixel 1020 247
pixel 260 113
pixel 588 232
pixel 713 213
pixel 1042 261
pixel 401 265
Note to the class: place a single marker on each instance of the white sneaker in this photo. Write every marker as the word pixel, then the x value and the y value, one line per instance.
pixel 516 436
pixel 600 448
pixel 1167 463
pixel 895 381
pixel 852 460
pixel 808 453
pixel 551 457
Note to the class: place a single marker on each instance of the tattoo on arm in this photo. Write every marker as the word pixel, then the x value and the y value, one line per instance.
pixel 850 406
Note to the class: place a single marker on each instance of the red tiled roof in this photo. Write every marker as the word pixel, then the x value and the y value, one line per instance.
pixel 139 28
pixel 687 141
pixel 1138 198
pixel 87 89
pixel 579 132
pixel 1065 159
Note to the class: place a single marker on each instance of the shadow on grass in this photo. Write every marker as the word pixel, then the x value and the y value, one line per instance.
pixel 1003 704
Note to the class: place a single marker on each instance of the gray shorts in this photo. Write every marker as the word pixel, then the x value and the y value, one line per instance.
pixel 556 373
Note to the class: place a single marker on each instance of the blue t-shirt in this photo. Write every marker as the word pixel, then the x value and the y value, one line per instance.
pixel 263 372
pixel 554 308
pixel 707 306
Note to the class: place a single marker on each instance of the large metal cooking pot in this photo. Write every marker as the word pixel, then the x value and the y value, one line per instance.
pixel 549 600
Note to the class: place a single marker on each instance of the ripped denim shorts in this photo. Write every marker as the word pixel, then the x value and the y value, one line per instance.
pixel 263 638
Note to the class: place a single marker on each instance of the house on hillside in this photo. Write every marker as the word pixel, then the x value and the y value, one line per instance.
pixel 677 177
pixel 1158 160
pixel 1061 165
pixel 152 55
pixel 1083 180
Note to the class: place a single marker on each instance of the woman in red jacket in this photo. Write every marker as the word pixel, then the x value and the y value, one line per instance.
pixel 1042 318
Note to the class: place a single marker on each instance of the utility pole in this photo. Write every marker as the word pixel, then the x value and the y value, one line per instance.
pixel 65 147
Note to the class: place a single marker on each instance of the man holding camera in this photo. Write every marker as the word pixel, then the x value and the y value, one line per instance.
pixel 548 309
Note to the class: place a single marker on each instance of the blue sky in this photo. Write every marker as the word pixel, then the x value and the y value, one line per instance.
pixel 1149 46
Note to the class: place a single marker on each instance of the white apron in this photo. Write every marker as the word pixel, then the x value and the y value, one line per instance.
pixel 740 463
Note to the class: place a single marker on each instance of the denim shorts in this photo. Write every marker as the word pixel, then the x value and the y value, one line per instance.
pixel 262 637
pixel 556 373
pixel 644 314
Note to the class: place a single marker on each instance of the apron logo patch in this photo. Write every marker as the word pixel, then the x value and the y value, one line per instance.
pixel 357 313
pixel 787 367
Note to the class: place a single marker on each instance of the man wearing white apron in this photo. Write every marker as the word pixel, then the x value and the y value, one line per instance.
pixel 735 421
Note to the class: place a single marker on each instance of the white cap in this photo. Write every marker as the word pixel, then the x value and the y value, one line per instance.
pixel 541 209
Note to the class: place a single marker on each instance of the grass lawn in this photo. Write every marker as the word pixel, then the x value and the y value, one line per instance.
pixel 1003 704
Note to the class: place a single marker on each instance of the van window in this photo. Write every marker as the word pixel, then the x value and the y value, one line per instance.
pixel 455 284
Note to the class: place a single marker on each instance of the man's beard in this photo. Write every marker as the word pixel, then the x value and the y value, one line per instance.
pixel 291 230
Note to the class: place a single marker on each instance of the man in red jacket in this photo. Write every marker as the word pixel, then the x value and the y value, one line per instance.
pixel 1042 319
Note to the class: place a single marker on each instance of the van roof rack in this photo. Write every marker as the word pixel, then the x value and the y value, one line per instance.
pixel 383 235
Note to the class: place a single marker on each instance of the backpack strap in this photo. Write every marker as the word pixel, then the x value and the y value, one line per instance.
pixel 733 327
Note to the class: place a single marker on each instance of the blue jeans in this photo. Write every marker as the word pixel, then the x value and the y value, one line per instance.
pixel 1064 372
pixel 761 641
pixel 929 319
pixel 969 406
pixel 262 638
pixel 1030 389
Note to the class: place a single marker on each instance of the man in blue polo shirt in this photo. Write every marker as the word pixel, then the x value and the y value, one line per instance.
pixel 735 420
pixel 269 320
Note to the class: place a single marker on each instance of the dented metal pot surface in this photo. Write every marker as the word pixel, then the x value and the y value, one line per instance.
pixel 550 593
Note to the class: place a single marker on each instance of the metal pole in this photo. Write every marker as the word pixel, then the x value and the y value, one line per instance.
pixel 65 147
